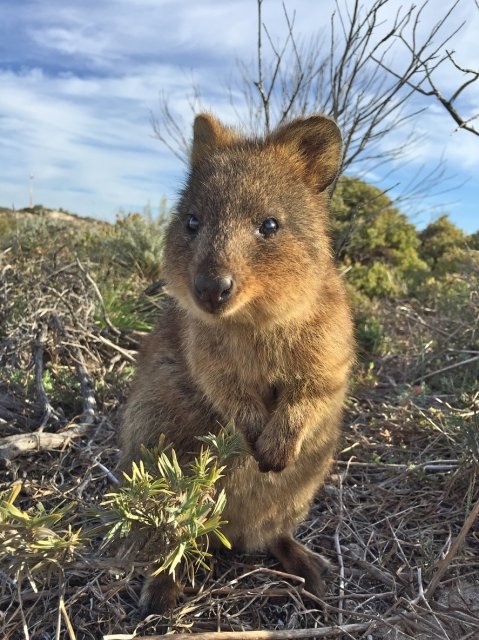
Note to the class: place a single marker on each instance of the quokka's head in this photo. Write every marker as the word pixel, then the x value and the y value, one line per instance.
pixel 248 241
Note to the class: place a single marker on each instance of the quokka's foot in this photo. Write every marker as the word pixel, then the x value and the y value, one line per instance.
pixel 159 595
pixel 302 562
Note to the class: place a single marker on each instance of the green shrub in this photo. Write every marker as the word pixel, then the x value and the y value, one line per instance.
pixel 36 539
pixel 376 280
pixel 126 306
pixel 160 503
pixel 166 512
pixel 8 225
pixel 369 332
pixel 136 243
pixel 439 238
pixel 39 235
pixel 170 510
pixel 375 240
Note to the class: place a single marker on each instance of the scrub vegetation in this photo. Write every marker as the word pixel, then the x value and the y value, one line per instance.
pixel 396 517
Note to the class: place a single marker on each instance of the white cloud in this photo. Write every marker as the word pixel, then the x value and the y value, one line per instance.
pixel 76 93
pixel 80 150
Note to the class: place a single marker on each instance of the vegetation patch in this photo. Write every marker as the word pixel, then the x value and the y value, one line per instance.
pixel 396 517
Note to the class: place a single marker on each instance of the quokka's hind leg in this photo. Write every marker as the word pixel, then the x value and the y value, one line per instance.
pixel 300 561
pixel 159 595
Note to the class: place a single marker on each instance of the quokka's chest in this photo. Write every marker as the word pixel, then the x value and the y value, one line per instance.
pixel 247 359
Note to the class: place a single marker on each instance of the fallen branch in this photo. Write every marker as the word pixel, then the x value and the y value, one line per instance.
pixel 88 397
pixel 432 466
pixel 8 415
pixel 86 386
pixel 337 546
pixel 16 445
pixel 288 634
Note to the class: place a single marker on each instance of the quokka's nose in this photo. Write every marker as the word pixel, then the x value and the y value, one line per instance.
pixel 213 292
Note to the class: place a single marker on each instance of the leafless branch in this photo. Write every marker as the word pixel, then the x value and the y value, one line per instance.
pixel 48 410
pixel 94 285
pixel 425 62
pixel 290 634
pixel 19 444
pixel 348 74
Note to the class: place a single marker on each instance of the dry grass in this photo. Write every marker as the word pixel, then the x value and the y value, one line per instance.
pixel 394 516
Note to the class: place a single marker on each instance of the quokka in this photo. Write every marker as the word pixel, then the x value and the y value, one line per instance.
pixel 255 329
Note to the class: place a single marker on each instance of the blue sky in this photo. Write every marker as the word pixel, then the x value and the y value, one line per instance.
pixel 79 81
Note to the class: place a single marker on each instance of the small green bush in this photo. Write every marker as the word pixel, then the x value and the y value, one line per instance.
pixel 136 243
pixel 36 539
pixel 438 239
pixel 376 241
pixel 165 512
pixel 126 306
pixel 369 332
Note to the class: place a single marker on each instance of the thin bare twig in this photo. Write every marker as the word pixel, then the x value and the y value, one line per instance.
pixel 339 554
pixel 124 352
pixel 444 563
pixel 97 291
pixel 443 369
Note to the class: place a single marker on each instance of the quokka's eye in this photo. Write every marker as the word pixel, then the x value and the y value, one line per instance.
pixel 269 227
pixel 192 224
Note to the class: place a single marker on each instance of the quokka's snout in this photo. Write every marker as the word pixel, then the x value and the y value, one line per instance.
pixel 256 330
pixel 213 291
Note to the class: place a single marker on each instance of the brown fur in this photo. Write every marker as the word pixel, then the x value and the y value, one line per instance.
pixel 276 356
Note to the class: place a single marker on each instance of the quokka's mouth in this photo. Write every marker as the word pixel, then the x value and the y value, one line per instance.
pixel 212 309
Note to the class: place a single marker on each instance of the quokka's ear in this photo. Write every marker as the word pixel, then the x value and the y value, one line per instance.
pixel 318 141
pixel 208 134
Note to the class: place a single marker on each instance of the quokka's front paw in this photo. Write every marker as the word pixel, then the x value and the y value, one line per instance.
pixel 252 427
pixel 275 453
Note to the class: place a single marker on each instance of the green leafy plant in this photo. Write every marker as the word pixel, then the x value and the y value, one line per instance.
pixel 136 243
pixel 35 539
pixel 126 305
pixel 165 512
pixel 375 240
